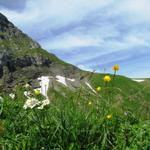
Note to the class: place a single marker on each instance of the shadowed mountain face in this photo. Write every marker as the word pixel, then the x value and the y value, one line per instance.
pixel 23 59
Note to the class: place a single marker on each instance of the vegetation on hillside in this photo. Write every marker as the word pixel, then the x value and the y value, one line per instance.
pixel 116 117
pixel 40 52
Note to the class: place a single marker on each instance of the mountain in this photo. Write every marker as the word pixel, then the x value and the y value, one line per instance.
pixel 21 58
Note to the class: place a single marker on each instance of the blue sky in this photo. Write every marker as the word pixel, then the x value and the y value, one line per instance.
pixel 91 34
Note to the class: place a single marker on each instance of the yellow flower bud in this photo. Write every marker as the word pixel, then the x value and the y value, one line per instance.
pixel 37 92
pixel 109 117
pixel 98 89
pixel 90 103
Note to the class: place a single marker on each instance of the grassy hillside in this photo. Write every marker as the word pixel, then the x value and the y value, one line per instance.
pixel 122 93
pixel 126 94
pixel 117 117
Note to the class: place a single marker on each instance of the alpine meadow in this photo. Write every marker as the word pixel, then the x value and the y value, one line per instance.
pixel 49 103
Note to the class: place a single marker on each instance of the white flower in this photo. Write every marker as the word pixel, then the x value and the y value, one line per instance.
pixel 40 107
pixel 126 113
pixel 1 99
pixel 31 103
pixel 27 85
pixel 27 94
pixel 44 103
pixel 12 95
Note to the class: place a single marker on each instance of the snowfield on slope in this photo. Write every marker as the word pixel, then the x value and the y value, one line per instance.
pixel 45 81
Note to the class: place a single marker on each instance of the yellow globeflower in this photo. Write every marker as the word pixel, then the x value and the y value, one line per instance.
pixel 109 116
pixel 116 68
pixel 98 89
pixel 37 92
pixel 107 78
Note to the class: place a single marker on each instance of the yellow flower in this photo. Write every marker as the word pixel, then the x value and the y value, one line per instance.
pixel 109 117
pixel 98 89
pixel 107 78
pixel 116 68
pixel 37 92
pixel 90 103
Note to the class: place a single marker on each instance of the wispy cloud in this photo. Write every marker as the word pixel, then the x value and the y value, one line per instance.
pixel 90 34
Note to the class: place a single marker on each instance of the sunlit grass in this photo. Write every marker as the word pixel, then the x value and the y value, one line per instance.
pixel 108 119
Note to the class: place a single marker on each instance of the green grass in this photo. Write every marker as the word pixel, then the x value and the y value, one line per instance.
pixel 124 83
pixel 40 52
pixel 127 94
pixel 13 43
pixel 70 122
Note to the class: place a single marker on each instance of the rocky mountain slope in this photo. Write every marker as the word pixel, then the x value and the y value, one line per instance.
pixel 22 59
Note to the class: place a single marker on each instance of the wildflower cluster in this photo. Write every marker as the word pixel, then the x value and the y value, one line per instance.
pixel 32 102
pixel 107 78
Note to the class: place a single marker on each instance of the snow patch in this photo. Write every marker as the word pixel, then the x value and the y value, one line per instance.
pixel 139 80
pixel 90 87
pixel 44 85
pixel 72 80
pixel 61 79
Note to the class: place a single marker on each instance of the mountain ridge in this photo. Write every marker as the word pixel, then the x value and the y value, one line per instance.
pixel 21 58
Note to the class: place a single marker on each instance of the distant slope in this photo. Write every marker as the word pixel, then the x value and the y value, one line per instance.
pixel 127 94
pixel 146 83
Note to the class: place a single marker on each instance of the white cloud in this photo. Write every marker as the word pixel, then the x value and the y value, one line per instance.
pixel 53 12
pixel 86 29
pixel 68 41
pixel 135 10
pixel 83 67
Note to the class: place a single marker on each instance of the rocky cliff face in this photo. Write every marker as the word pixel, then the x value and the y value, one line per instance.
pixel 22 59
pixel 10 33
